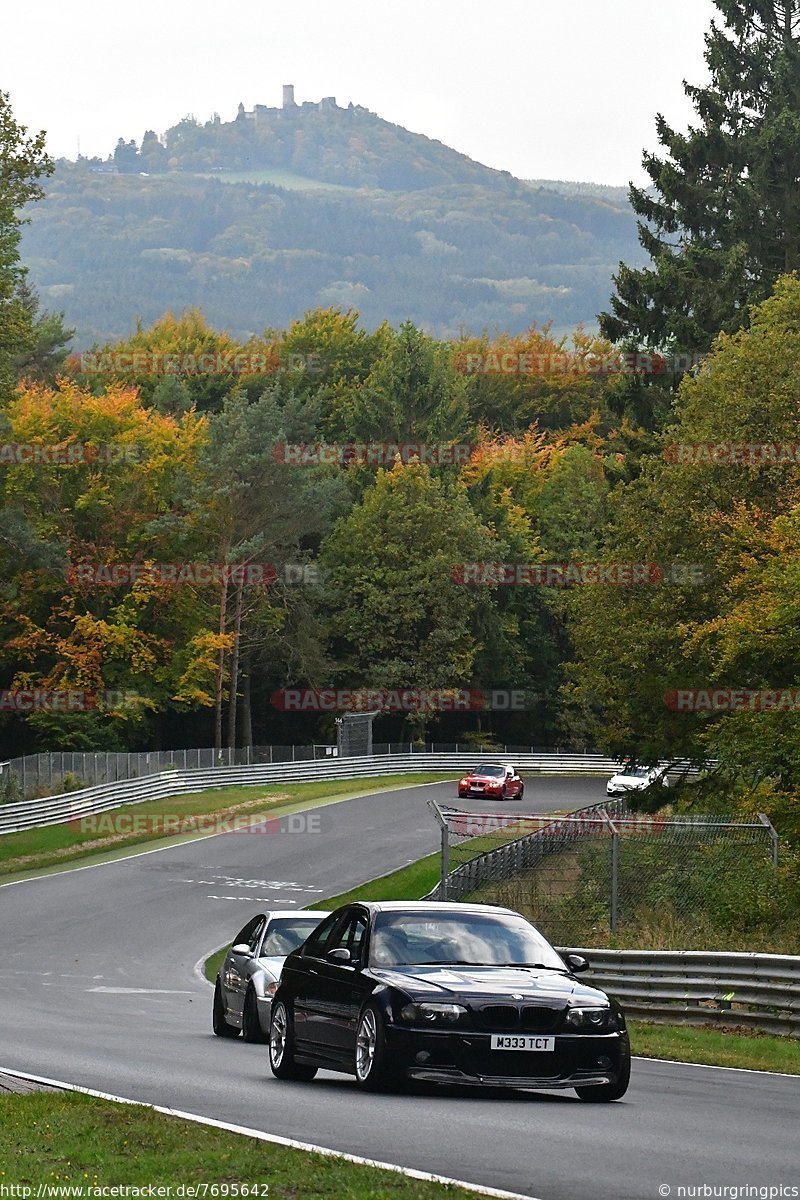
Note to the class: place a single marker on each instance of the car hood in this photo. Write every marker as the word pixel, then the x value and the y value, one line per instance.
pixel 484 778
pixel 500 983
pixel 273 964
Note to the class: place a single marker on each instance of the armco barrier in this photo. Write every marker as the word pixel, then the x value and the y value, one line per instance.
pixel 43 774
pixel 696 987
pixel 54 810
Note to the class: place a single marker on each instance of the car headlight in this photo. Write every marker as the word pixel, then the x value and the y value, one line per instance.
pixel 433 1013
pixel 591 1019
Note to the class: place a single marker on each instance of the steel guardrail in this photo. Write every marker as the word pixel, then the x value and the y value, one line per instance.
pixel 698 987
pixel 55 810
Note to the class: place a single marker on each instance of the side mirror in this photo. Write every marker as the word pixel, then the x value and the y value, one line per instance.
pixel 340 955
pixel 576 963
pixel 242 948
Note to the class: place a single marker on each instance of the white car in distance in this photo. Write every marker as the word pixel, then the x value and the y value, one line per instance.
pixel 635 779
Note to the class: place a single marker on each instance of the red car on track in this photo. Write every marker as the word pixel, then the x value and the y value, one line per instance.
pixel 497 781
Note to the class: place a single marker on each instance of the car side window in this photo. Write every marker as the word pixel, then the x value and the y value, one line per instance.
pixel 350 936
pixel 246 934
pixel 255 938
pixel 317 945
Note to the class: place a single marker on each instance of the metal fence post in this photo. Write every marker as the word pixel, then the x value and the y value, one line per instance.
pixel 444 866
pixel 773 834
pixel 614 876
pixel 614 898
pixel 445 869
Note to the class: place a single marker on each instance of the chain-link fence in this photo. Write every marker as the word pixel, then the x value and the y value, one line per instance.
pixel 48 774
pixel 51 773
pixel 595 875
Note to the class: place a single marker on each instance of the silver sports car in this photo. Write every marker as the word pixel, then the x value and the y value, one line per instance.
pixel 248 978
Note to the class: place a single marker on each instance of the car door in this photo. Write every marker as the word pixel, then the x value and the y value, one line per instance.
pixel 306 987
pixel 344 986
pixel 235 975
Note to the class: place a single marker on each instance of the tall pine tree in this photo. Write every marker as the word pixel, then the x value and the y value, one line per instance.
pixel 23 161
pixel 721 221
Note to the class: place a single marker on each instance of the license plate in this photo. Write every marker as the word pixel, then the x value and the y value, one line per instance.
pixel 476 787
pixel 519 1041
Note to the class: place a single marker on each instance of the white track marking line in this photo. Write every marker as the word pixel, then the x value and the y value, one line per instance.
pixel 276 1139
pixel 679 1062
pixel 123 991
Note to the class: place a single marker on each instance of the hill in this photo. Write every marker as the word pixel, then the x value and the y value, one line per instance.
pixel 350 146
pixel 258 219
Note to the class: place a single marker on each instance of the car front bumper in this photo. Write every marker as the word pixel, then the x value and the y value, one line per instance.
pixel 444 1056
pixel 264 1010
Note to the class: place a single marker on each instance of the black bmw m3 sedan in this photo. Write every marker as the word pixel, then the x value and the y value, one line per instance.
pixel 448 993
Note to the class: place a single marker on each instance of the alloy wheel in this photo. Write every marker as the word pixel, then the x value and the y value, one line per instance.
pixel 277 1035
pixel 366 1042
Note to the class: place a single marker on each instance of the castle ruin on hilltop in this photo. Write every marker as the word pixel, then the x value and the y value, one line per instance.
pixel 290 106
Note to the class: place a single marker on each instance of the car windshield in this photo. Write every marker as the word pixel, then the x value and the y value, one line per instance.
pixel 636 772
pixel 483 769
pixel 474 939
pixel 286 934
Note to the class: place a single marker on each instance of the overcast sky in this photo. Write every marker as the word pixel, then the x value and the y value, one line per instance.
pixel 547 89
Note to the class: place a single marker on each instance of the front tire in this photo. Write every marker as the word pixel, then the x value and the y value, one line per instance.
pixel 219 1024
pixel 251 1026
pixel 372 1070
pixel 281 1047
pixel 606 1092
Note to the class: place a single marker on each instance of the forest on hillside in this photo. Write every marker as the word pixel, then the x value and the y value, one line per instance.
pixel 109 249
pixel 257 222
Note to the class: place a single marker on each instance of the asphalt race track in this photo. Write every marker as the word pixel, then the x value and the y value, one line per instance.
pixel 97 987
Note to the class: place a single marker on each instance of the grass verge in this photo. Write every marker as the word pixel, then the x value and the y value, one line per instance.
pixel 109 834
pixel 71 1139
pixel 715 1047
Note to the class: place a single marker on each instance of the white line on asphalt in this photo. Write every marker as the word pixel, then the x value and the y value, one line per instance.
pixel 678 1062
pixel 275 1139
pixel 119 991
